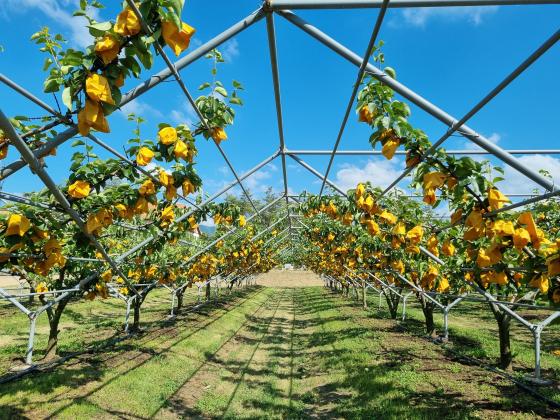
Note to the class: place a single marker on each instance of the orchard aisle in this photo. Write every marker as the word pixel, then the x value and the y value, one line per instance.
pixel 272 352
pixel 308 353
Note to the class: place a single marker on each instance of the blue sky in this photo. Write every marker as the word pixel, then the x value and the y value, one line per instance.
pixel 452 57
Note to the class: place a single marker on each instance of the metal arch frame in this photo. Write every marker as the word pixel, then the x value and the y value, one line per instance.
pixel 418 100
pixel 375 4
pixel 357 83
pixel 266 10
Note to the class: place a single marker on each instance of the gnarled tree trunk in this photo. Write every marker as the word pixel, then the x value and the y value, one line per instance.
pixel 428 310
pixel 180 295
pixel 54 320
pixel 393 301
pixel 504 322
pixel 137 305
pixel 54 314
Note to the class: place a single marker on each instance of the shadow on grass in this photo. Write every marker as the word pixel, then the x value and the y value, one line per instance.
pixel 88 369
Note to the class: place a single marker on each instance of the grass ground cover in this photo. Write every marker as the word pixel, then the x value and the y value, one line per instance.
pixel 279 353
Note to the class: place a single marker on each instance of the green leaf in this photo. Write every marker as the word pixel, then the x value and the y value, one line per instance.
pixel 177 6
pixel 47 64
pixel 146 58
pixel 77 143
pixel 391 72
pixel 204 86
pixel 131 64
pixel 236 101
pixel 67 97
pixel 237 85
pixel 99 29
pixel 221 91
pixel 51 85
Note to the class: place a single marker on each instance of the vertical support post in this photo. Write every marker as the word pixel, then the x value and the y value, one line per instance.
pixel 405 298
pixel 537 338
pixel 277 98
pixel 173 296
pixel 31 340
pixel 446 323
pixel 127 314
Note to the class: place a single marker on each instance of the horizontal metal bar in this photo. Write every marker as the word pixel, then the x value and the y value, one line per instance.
pixel 225 235
pixel 40 152
pixel 194 55
pixel 34 256
pixel 24 200
pixel 14 301
pixel 317 174
pixel 24 92
pixel 397 4
pixel 465 152
pixel 419 101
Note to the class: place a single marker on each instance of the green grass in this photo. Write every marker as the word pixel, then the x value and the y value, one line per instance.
pixel 277 353
pixel 473 332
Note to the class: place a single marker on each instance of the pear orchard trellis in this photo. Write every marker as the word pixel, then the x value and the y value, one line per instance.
pixel 267 12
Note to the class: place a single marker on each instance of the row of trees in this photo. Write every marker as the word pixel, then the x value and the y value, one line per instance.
pixel 513 255
pixel 140 200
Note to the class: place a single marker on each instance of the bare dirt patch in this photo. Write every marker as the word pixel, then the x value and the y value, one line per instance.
pixel 9 281
pixel 289 278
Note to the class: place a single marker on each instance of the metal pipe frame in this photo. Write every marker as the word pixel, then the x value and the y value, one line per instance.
pixel 396 4
pixel 418 100
pixel 271 32
pixel 135 92
pixel 31 157
pixel 35 165
pixel 361 72
pixel 474 110
pixel 464 152
pixel 186 92
pixel 318 174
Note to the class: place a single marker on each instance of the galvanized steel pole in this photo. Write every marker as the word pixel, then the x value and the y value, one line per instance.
pixel 374 4
pixel 361 71
pixel 418 100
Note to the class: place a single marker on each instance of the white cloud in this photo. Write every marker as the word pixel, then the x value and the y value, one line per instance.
pixel 470 145
pixel 184 113
pixel 421 17
pixel 230 50
pixel 141 108
pixel 255 181
pixel 494 138
pixel 59 11
pixel 517 183
pixel 195 42
pixel 380 172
